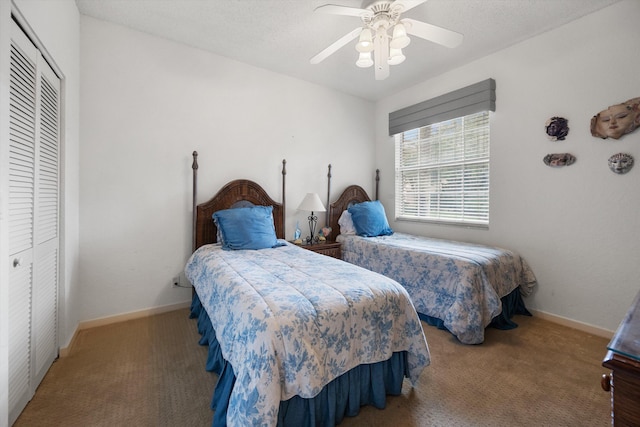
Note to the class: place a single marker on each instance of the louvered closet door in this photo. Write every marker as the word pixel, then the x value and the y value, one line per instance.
pixel 45 278
pixel 32 219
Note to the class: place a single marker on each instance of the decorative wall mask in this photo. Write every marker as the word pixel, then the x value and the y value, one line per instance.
pixel 620 163
pixel 617 120
pixel 557 128
pixel 559 159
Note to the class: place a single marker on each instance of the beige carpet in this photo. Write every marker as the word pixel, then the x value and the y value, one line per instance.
pixel 150 372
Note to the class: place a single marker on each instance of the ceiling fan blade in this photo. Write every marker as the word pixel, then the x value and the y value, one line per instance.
pixel 433 33
pixel 335 46
pixel 405 5
pixel 335 9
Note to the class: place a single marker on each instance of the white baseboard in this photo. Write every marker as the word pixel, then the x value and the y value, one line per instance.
pixel 64 351
pixel 564 321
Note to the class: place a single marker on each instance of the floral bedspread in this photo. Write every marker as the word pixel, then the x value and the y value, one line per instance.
pixel 290 321
pixel 458 283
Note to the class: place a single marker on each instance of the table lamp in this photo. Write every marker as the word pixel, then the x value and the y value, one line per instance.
pixel 312 203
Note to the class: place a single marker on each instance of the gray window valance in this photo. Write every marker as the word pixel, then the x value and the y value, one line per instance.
pixel 462 102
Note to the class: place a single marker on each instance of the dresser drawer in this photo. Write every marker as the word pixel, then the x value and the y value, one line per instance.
pixel 332 249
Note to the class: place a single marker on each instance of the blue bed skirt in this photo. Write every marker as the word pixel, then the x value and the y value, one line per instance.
pixel 512 304
pixel 362 385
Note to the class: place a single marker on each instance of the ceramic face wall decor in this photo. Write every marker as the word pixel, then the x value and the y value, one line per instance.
pixel 617 120
pixel 559 159
pixel 620 163
pixel 557 128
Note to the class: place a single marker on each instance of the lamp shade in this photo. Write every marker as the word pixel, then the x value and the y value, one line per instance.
pixel 364 60
pixel 365 42
pixel 312 203
pixel 400 39
pixel 396 56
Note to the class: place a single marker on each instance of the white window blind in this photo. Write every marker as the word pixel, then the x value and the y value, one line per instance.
pixel 442 171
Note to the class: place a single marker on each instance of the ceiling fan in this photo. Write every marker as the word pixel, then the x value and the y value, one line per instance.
pixel 378 19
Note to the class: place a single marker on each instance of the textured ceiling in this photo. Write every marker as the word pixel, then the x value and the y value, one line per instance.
pixel 282 35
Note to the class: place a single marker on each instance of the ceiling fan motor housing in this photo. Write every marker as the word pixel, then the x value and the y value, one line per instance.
pixel 382 15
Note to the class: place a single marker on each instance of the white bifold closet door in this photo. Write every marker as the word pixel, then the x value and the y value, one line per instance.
pixel 33 219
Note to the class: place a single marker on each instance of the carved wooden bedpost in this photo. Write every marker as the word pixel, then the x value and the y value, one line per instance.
pixel 377 182
pixel 194 166
pixel 284 205
pixel 328 195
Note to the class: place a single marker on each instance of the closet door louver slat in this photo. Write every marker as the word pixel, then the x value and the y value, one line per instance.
pixel 20 335
pixel 45 319
pixel 22 105
pixel 47 208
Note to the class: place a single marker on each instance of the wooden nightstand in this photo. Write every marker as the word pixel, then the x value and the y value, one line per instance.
pixel 331 249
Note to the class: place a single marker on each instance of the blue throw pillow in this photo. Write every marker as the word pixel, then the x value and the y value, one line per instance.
pixel 246 228
pixel 370 219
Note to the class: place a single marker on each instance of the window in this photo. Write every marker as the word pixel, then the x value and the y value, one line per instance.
pixel 442 171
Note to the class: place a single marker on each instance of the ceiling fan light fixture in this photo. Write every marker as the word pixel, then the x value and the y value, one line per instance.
pixel 396 56
pixel 365 43
pixel 364 60
pixel 400 39
pixel 383 33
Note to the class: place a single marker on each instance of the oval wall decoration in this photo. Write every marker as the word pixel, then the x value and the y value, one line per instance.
pixel 557 128
pixel 559 159
pixel 620 163
pixel 617 120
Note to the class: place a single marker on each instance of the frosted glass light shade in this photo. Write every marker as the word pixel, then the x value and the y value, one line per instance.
pixel 311 203
pixel 396 56
pixel 400 39
pixel 364 60
pixel 365 43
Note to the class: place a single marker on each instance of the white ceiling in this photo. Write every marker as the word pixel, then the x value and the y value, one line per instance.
pixel 282 35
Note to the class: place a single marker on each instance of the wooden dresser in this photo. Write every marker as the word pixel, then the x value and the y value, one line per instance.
pixel 623 359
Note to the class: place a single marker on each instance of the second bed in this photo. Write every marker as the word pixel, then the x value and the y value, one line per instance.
pixel 458 286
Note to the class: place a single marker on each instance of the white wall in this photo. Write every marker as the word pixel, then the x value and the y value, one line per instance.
pixel 57 27
pixel 147 103
pixel 577 226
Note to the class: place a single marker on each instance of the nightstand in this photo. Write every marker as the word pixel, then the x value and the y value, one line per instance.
pixel 331 249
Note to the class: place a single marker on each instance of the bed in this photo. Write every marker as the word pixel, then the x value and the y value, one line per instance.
pixel 461 287
pixel 297 338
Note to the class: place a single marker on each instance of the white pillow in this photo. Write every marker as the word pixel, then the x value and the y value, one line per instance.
pixel 346 223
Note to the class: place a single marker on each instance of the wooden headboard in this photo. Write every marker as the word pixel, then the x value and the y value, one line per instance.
pixel 351 195
pixel 233 194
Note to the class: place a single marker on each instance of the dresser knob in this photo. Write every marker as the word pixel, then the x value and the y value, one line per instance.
pixel 605 382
